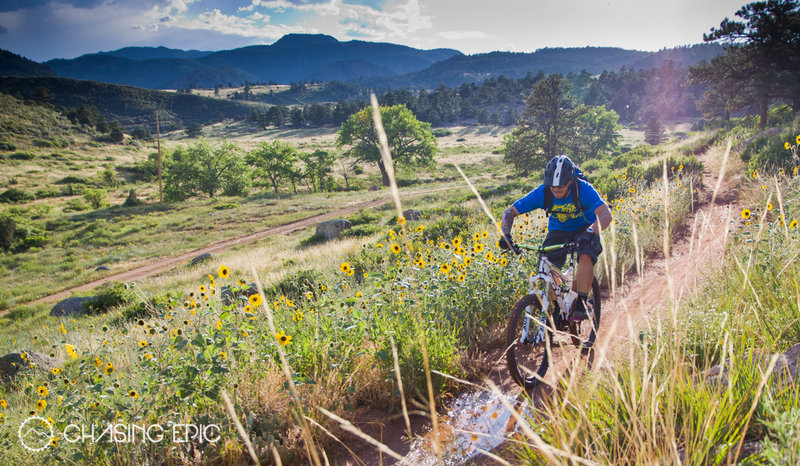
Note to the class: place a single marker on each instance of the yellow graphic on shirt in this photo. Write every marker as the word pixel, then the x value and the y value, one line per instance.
pixel 565 212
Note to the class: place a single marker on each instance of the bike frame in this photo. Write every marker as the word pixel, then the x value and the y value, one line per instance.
pixel 553 279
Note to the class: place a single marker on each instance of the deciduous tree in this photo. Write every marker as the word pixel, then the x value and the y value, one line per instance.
pixel 411 141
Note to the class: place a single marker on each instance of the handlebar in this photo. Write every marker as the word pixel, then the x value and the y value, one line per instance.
pixel 544 249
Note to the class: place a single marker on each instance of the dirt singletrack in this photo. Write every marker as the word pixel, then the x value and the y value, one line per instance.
pixel 166 263
pixel 664 282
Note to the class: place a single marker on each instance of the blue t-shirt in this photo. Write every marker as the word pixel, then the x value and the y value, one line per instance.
pixel 564 216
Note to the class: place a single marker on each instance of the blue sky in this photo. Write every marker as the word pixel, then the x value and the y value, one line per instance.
pixel 46 29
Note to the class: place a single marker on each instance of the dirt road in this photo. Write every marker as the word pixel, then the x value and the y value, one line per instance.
pixel 166 263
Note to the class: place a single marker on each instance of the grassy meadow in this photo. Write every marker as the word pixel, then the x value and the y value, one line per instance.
pixel 367 320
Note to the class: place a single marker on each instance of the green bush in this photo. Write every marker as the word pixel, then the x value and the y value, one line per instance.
pixel 95 197
pixel 114 294
pixel 75 205
pixel 363 217
pixel 49 191
pixel 359 231
pixel 22 156
pixel 226 206
pixel 441 132
pixel 294 286
pixel 72 179
pixel 53 142
pixel 14 195
pixel 447 228
pixel 7 146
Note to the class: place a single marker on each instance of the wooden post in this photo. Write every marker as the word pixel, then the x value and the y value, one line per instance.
pixel 160 185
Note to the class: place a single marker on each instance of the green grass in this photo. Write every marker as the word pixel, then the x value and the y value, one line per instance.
pixel 659 405
pixel 411 286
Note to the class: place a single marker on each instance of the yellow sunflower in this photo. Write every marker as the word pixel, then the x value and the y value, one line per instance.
pixel 255 300
pixel 746 214
pixel 283 338
pixel 223 272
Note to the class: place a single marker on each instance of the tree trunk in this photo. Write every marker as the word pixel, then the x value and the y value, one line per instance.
pixel 762 111
pixel 384 173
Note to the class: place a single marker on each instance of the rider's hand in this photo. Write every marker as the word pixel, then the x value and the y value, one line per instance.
pixel 506 244
pixel 584 240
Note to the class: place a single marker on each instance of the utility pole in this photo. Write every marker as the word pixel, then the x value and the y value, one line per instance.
pixel 160 185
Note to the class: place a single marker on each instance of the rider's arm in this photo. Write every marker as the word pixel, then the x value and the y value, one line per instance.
pixel 508 220
pixel 603 220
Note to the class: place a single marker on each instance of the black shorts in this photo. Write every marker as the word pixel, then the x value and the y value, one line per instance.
pixel 558 237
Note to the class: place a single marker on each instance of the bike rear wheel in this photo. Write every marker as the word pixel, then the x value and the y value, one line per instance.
pixel 527 360
pixel 586 330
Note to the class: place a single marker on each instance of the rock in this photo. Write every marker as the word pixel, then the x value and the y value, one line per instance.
pixel 743 145
pixel 101 268
pixel 206 256
pixel 74 306
pixel 331 228
pixel 228 296
pixel 786 365
pixel 412 215
pixel 13 363
pixel 373 188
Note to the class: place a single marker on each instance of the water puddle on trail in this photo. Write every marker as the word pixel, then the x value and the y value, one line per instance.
pixel 475 422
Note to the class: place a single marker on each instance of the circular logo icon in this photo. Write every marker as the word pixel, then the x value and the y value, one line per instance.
pixel 35 433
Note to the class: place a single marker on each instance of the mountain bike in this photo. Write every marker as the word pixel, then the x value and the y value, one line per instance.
pixel 541 314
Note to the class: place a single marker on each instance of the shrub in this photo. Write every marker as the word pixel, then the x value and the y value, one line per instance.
pixel 72 179
pixel 95 197
pixel 49 191
pixel 360 231
pixel 441 132
pixel 132 200
pixel 7 146
pixel 76 205
pixel 226 206
pixel 14 195
pixel 447 228
pixel 294 286
pixel 22 156
pixel 109 296
pixel 363 217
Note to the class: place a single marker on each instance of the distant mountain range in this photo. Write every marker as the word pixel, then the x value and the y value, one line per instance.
pixel 293 58
pixel 317 57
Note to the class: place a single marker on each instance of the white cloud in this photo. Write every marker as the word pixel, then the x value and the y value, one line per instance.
pixel 459 35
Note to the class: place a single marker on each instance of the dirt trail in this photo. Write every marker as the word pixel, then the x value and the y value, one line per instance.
pixel 169 262
pixel 664 282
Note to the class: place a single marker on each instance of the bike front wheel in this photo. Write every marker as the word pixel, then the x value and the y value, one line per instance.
pixel 527 351
pixel 584 332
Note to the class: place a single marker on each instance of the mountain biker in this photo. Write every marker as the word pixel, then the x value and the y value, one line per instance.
pixel 573 218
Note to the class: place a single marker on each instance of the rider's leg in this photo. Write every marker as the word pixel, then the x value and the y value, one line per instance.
pixel 584 275
pixel 582 284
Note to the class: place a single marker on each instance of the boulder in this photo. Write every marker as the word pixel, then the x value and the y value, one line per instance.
pixel 412 215
pixel 101 268
pixel 786 365
pixel 373 188
pixel 12 363
pixel 206 256
pixel 330 229
pixel 228 296
pixel 74 306
pixel 743 145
